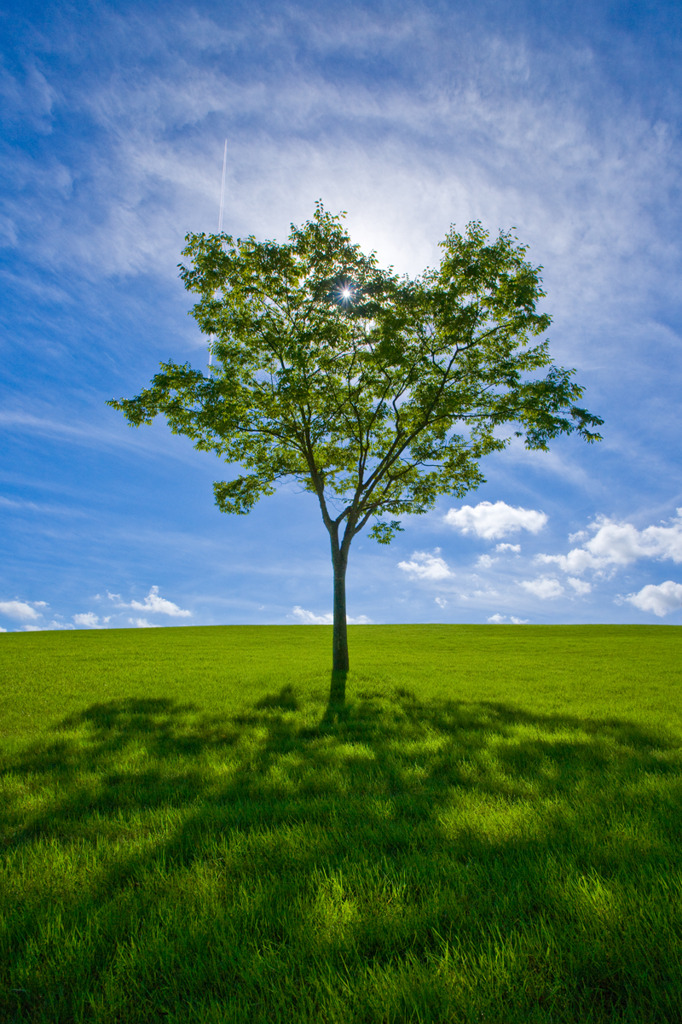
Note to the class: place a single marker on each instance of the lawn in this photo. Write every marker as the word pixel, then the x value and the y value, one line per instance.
pixel 490 832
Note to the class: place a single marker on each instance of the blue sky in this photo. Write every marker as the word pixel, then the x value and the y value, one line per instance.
pixel 560 119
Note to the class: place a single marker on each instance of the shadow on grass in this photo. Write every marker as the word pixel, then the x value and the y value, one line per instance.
pixel 337 709
pixel 419 787
pixel 154 743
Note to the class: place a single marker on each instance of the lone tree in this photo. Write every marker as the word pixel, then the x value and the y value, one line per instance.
pixel 376 392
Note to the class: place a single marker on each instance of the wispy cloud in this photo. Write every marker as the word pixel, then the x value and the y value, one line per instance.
pixel 366 145
pixel 308 618
pixel 581 587
pixel 485 562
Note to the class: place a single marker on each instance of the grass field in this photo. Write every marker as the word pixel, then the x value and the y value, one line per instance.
pixel 491 832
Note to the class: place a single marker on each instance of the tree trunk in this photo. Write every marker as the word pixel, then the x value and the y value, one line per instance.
pixel 340 636
pixel 337 690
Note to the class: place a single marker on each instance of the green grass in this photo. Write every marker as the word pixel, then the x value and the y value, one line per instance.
pixel 490 833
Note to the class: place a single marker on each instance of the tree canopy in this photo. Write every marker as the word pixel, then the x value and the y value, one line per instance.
pixel 376 392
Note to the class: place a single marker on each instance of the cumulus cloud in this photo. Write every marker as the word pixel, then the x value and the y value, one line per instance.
pixel 661 599
pixel 485 561
pixel 143 623
pixel 616 544
pixel 20 610
pixel 515 548
pixel 159 605
pixel 545 587
pixel 490 520
pixel 154 604
pixel 86 619
pixel 426 566
pixel 441 602
pixel 311 619
pixel 307 618
pixel 497 619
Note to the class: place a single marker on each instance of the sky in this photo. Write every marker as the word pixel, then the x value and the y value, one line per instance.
pixel 560 119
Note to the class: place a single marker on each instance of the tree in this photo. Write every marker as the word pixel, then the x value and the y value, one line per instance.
pixel 376 392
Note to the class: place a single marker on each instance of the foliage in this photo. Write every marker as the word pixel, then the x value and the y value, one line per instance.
pixel 375 392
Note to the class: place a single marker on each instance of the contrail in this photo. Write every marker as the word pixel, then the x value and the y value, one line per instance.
pixel 222 190
pixel 220 228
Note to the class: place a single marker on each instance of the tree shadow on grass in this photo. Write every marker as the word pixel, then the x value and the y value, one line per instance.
pixel 285 700
pixel 420 787
pixel 153 743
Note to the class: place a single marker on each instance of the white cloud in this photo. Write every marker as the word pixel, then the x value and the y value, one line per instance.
pixel 580 586
pixel 548 140
pixel 515 548
pixel 2 629
pixel 485 561
pixel 86 619
pixel 143 623
pixel 545 587
pixel 490 520
pixel 661 599
pixel 153 603
pixel 441 602
pixel 577 560
pixel 425 566
pixel 327 618
pixel 20 610
pixel 34 629
pixel 497 619
pixel 159 605
pixel 311 619
pixel 616 544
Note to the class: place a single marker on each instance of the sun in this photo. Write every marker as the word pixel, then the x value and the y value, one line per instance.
pixel 346 292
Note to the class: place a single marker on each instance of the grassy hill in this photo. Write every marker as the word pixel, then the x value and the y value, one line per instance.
pixel 490 833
